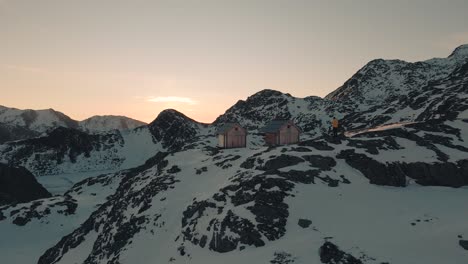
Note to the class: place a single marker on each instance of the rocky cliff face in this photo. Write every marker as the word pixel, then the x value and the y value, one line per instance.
pixel 174 130
pixel 17 185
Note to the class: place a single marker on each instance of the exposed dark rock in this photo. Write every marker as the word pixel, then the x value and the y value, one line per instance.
pixel 281 161
pixel 305 177
pixel 344 180
pixel 249 163
pixel 275 105
pixel 301 149
pixel 401 133
pixel 394 174
pixel 372 146
pixel 321 162
pixel 115 230
pixel 376 172
pixel 211 150
pixel 304 223
pixel 267 205
pixel 331 182
pixel 225 163
pixel 463 244
pixel 319 145
pixel 201 170
pixel 331 254
pixel 18 185
pixel 282 258
pixel 248 235
pixel 70 206
pixel 173 169
pixel 173 129
pixel 26 212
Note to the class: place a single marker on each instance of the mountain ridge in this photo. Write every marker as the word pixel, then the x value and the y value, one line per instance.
pixel 379 193
pixel 17 124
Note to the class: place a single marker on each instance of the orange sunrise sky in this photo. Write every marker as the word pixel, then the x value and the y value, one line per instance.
pixel 136 58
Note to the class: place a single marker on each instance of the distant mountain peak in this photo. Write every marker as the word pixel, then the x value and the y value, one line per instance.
pixel 170 114
pixel 105 123
pixel 460 51
pixel 268 93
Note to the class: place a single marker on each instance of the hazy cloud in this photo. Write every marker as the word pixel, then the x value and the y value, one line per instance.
pixel 24 68
pixel 172 99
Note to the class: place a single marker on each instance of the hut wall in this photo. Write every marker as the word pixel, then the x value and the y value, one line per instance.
pixel 288 134
pixel 236 138
pixel 221 140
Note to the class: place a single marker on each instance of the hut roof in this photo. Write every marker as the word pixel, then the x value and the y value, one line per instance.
pixel 274 126
pixel 226 127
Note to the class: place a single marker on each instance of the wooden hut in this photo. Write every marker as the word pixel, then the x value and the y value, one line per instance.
pixel 281 132
pixel 232 135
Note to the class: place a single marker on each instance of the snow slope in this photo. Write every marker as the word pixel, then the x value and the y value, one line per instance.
pixel 203 205
pixel 393 191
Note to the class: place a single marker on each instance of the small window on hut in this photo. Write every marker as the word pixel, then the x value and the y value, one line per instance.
pixel 289 126
pixel 237 128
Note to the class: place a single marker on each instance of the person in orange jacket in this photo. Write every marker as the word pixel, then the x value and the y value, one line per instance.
pixel 335 126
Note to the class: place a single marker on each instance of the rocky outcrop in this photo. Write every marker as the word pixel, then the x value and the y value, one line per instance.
pixel 18 185
pixel 304 223
pixel 274 105
pixel 173 129
pixel 281 162
pixel 331 254
pixel 395 173
pixel 463 244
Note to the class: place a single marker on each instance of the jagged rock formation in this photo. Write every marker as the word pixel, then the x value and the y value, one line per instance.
pixel 174 130
pixel 331 254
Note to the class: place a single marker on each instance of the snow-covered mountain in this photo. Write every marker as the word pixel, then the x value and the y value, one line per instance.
pixel 327 199
pixel 16 124
pixel 74 155
pixel 20 124
pixel 382 92
pixel 392 189
pixel 99 124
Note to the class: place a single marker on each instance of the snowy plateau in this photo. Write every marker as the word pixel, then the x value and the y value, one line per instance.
pixel 392 188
